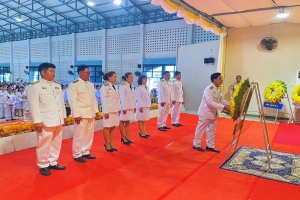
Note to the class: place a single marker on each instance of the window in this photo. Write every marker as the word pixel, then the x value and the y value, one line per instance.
pixel 155 72
pixel 4 74
pixel 95 76
pixel 34 73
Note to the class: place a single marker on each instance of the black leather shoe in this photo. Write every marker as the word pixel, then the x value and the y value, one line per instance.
pixel 45 171
pixel 80 159
pixel 212 149
pixel 179 124
pixel 114 149
pixel 147 135
pixel 198 148
pixel 176 125
pixel 89 156
pixel 57 167
pixel 130 141
pixel 166 127
pixel 161 129
pixel 143 136
pixel 123 142
pixel 108 150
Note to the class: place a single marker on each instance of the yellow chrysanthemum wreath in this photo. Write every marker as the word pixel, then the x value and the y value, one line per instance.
pixel 274 92
pixel 296 94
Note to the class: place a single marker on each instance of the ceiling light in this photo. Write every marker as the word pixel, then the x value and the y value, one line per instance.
pixel 117 2
pixel 90 3
pixel 19 19
pixel 282 15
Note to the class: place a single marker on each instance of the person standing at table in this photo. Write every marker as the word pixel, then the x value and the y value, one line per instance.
pixel 47 110
pixel 84 109
pixel 128 107
pixel 111 109
pixel 208 112
pixel 164 101
pixel 177 99
pixel 143 104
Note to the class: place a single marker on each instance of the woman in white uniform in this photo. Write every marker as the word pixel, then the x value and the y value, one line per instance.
pixel 127 107
pixel 110 109
pixel 143 104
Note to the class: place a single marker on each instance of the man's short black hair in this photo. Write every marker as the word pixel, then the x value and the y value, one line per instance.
pixel 45 66
pixel 82 68
pixel 214 76
pixel 166 72
pixel 176 73
pixel 238 76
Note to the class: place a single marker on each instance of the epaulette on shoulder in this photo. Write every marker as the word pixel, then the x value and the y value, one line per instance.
pixel 106 84
pixel 75 81
pixel 123 83
pixel 56 82
pixel 211 87
pixel 35 82
pixel 162 80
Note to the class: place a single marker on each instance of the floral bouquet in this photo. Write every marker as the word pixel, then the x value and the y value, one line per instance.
pixel 296 94
pixel 274 92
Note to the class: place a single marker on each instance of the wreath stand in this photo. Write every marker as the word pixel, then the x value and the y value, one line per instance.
pixel 238 127
pixel 286 96
pixel 296 106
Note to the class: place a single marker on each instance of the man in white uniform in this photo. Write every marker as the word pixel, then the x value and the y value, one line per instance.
pixel 47 110
pixel 177 99
pixel 84 108
pixel 208 112
pixel 10 101
pixel 2 102
pixel 164 101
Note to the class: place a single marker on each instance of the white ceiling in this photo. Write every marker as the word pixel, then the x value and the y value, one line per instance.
pixel 258 18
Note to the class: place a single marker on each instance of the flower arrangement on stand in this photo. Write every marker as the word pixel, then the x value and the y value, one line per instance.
pixel 154 106
pixel 274 92
pixel 16 128
pixel 296 95
pixel 238 98
pixel 70 120
pixel 100 115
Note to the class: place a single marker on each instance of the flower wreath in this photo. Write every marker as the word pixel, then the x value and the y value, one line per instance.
pixel 296 94
pixel 274 92
pixel 237 98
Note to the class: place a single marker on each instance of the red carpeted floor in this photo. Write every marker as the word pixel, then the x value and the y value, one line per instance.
pixel 163 166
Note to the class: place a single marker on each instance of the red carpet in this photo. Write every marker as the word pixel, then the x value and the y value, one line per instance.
pixel 288 134
pixel 163 166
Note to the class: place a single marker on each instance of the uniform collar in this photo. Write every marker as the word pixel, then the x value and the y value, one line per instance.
pixel 82 80
pixel 214 86
pixel 45 81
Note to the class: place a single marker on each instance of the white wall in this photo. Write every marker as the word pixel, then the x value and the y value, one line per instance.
pixel 196 74
pixel 120 49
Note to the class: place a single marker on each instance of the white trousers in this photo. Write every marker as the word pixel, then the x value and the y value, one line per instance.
pixel 10 112
pixel 175 113
pixel 163 113
pixel 2 110
pixel 83 137
pixel 208 125
pixel 48 146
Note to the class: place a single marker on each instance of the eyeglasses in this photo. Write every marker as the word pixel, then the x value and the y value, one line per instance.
pixel 87 72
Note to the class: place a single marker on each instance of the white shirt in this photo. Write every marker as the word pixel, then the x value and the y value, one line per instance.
pixel 177 92
pixel 19 98
pixel 46 103
pixel 127 96
pixel 142 97
pixel 164 91
pixel 110 98
pixel 10 99
pixel 210 103
pixel 82 99
pixel 65 93
pixel 98 96
pixel 2 96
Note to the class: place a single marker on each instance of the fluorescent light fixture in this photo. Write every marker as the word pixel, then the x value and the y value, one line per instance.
pixel 282 15
pixel 90 3
pixel 19 19
pixel 117 2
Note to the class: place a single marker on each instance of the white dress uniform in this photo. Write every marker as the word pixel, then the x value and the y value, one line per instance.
pixel 83 104
pixel 208 112
pixel 127 99
pixel 46 105
pixel 110 104
pixel 2 103
pixel 177 96
pixel 19 100
pixel 164 96
pixel 143 100
pixel 10 101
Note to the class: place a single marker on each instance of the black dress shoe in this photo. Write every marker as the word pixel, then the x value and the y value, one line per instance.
pixel 108 150
pixel 176 125
pixel 123 142
pixel 166 127
pixel 89 156
pixel 143 136
pixel 130 141
pixel 147 135
pixel 161 129
pixel 45 171
pixel 198 148
pixel 80 159
pixel 114 149
pixel 57 167
pixel 179 124
pixel 212 149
